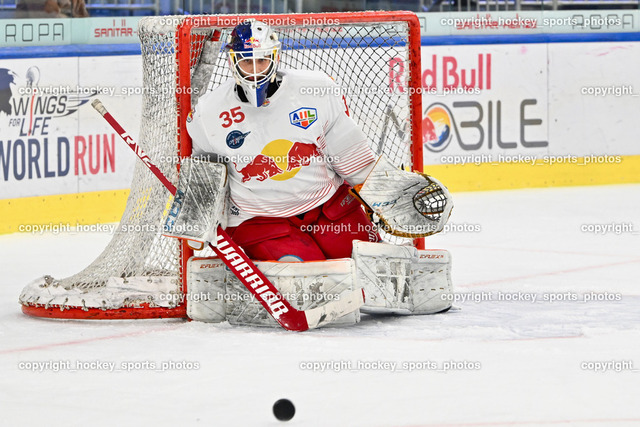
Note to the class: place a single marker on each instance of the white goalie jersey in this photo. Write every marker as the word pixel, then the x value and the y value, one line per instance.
pixel 287 157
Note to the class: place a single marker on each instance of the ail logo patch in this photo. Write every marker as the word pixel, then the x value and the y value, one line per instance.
pixel 303 117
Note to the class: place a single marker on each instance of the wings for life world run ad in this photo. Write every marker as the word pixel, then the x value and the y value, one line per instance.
pixel 51 140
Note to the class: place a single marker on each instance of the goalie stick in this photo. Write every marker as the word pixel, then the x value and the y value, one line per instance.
pixel 244 269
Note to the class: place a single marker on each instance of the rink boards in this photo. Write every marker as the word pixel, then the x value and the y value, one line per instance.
pixel 517 110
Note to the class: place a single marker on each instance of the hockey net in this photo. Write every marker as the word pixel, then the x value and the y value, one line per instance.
pixel 374 57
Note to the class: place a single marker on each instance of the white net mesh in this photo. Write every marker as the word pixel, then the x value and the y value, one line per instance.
pixel 357 55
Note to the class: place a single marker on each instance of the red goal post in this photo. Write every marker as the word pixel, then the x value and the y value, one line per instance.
pixel 374 57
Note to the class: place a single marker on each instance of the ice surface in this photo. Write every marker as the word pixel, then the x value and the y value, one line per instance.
pixel 518 362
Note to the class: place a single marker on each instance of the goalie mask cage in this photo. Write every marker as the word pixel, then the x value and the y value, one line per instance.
pixel 374 57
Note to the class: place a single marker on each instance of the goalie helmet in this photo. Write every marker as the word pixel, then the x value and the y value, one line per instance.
pixel 254 51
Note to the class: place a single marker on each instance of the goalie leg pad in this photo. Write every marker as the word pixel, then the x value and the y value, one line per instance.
pixel 403 279
pixel 305 285
pixel 206 284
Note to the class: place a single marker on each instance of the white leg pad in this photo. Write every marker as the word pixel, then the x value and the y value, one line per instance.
pixel 215 294
pixel 403 279
pixel 206 290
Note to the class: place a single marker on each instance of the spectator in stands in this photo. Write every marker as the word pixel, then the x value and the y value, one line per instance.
pixel 51 9
pixel 222 8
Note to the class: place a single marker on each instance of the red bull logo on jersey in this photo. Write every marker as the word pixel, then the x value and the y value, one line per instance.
pixel 303 117
pixel 279 160
pixel 261 168
pixel 301 154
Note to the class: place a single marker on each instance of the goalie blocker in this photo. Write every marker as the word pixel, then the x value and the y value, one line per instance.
pixel 199 205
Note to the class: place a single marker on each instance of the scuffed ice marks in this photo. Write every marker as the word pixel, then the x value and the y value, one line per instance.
pixel 509 320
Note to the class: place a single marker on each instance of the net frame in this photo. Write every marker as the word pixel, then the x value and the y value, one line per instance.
pixel 174 43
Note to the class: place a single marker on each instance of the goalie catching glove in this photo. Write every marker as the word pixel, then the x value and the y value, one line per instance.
pixel 409 204
pixel 199 205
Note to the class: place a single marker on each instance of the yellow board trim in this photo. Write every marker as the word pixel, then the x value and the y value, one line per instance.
pixel 108 206
pixel 62 210
pixel 594 170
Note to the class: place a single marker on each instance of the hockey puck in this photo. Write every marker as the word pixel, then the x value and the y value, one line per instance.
pixel 284 410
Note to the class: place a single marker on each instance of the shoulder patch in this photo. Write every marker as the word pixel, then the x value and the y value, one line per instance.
pixel 235 138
